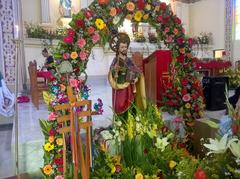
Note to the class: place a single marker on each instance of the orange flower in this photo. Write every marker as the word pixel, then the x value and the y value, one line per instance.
pixel 51 139
pixel 74 55
pixel 146 16
pixel 175 31
pixel 182 50
pixel 59 141
pixel 139 176
pixel 130 6
pixel 47 169
pixel 62 87
pixel 113 12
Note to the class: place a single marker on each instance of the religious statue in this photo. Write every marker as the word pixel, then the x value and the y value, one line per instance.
pixel 65 8
pixel 125 78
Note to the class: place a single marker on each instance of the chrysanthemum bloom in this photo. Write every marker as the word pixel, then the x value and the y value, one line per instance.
pixel 100 24
pixel 47 169
pixel 83 55
pixel 81 42
pixel 186 97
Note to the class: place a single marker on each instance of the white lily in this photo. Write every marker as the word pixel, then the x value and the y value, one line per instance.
pixel 234 146
pixel 106 135
pixel 217 146
pixel 162 143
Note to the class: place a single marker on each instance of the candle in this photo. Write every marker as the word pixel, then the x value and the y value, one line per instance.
pixel 17 31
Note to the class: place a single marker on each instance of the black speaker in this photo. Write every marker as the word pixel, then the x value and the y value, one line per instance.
pixel 214 92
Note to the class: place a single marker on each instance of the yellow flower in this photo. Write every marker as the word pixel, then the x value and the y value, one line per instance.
pixel 172 164
pixel 157 8
pixel 59 141
pixel 138 16
pixel 139 176
pixel 130 126
pixel 113 169
pixel 74 55
pixel 130 6
pixel 103 147
pixel 47 169
pixel 188 105
pixel 100 24
pixel 51 139
pixel 48 147
pixel 146 16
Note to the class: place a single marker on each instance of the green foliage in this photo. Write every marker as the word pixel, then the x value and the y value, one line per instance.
pixel 37 31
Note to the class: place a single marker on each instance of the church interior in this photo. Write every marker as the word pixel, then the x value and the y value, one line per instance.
pixel 120 89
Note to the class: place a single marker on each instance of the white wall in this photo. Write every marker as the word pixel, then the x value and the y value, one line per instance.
pixel 208 16
pixel 31 11
pixel 182 11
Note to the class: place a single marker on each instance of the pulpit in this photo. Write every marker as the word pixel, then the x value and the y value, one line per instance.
pixel 156 71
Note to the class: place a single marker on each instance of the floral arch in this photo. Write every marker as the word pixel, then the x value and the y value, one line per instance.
pixel 94 26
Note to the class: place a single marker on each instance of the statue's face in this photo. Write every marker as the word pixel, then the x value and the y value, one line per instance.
pixel 123 48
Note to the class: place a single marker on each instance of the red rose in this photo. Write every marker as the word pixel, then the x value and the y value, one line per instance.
pixel 140 4
pixel 180 58
pixel 190 42
pixel 68 39
pixel 118 168
pixel 119 10
pixel 71 32
pixel 180 41
pixel 52 132
pixel 58 161
pixel 60 169
pixel 88 13
pixel 165 20
pixel 177 20
pixel 159 19
pixel 182 145
pixel 61 152
pixel 163 6
pixel 200 174
pixel 80 23
pixel 194 96
pixel 235 129
pixel 184 81
pixel 62 78
pixel 91 30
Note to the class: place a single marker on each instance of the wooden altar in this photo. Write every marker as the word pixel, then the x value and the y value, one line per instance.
pixel 156 70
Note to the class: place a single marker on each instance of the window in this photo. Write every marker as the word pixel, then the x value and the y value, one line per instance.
pixel 237 20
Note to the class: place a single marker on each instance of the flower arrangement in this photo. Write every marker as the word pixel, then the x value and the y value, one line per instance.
pixel 233 77
pixel 93 26
pixel 203 39
pixel 37 31
pixel 139 37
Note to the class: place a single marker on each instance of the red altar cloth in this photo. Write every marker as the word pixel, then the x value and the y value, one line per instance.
pixel 44 74
pixel 211 64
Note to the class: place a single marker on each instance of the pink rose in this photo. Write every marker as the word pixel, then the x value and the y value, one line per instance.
pixel 167 29
pixel 178 119
pixel 95 38
pixel 74 83
pixel 59 177
pixel 186 97
pixel 169 39
pixel 52 116
pixel 68 39
pixel 66 56
pixel 83 55
pixel 81 42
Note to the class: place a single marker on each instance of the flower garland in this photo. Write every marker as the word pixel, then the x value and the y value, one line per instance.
pixel 93 26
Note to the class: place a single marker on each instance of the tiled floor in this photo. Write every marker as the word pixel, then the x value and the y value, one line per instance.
pixel 30 135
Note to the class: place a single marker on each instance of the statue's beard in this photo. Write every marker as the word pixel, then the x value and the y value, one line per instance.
pixel 124 53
